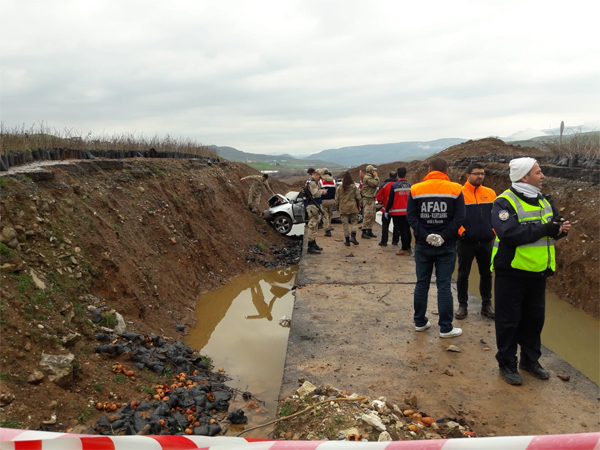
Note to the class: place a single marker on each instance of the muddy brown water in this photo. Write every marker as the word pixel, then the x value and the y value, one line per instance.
pixel 238 327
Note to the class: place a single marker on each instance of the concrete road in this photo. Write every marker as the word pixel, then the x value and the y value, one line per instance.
pixel 352 328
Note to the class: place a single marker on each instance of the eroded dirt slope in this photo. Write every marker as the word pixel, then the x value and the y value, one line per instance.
pixel 138 238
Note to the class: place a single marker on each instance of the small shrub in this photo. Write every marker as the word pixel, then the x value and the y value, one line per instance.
pixel 111 321
pixel 25 283
pixel 120 379
pixel 339 420
pixel 4 251
pixel 85 415
pixel 149 391
pixel 11 424
pixel 286 410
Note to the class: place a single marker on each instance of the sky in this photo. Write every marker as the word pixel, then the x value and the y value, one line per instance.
pixel 278 76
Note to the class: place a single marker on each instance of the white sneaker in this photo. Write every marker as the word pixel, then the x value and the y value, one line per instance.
pixel 452 333
pixel 424 327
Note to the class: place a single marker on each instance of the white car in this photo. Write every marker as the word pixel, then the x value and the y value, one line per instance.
pixel 286 211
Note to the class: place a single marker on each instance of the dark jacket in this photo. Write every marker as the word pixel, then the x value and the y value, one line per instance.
pixel 513 233
pixel 436 206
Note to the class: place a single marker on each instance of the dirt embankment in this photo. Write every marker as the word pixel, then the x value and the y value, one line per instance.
pixel 137 238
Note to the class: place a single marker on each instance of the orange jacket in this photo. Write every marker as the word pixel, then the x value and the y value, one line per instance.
pixel 436 205
pixel 478 222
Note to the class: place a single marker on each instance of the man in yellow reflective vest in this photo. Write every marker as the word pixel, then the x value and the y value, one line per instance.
pixel 526 225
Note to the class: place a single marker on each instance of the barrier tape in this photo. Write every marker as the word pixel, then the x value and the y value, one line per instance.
pixel 11 439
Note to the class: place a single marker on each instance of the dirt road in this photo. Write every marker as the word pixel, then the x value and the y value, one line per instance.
pixel 352 328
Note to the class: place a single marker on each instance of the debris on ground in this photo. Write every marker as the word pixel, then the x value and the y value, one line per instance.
pixel 194 402
pixel 328 413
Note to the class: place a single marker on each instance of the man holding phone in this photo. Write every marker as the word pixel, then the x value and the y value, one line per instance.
pixel 526 224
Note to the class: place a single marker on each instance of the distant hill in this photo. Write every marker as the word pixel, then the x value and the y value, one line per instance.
pixel 384 153
pixel 233 154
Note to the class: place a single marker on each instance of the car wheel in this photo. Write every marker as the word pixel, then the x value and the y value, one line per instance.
pixel 282 223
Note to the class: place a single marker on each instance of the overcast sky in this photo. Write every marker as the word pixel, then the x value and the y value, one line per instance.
pixel 277 76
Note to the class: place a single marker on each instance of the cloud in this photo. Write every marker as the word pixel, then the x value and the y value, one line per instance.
pixel 299 76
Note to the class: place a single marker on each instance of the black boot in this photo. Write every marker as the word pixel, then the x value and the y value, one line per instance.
pixel 347 243
pixel 317 246
pixel 370 233
pixel 353 238
pixel 328 233
pixel 488 311
pixel 461 312
pixel 511 374
pixel 364 234
pixel 534 368
pixel 312 249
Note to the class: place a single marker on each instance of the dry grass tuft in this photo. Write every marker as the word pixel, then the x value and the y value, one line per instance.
pixel 41 136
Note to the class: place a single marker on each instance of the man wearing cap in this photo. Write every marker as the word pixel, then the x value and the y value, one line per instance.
pixel 260 183
pixel 369 189
pixel 476 242
pixel 328 197
pixel 435 210
pixel 526 224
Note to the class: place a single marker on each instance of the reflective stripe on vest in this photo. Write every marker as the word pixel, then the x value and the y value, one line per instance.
pixel 536 256
pixel 397 210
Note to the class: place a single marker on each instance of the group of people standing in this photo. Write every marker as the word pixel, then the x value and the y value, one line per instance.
pixel 512 234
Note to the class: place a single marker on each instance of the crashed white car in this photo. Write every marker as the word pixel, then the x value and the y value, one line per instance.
pixel 286 211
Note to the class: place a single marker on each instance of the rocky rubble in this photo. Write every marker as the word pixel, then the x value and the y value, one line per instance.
pixel 328 413
pixel 194 402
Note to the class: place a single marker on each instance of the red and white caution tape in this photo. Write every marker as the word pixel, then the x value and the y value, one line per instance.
pixel 11 439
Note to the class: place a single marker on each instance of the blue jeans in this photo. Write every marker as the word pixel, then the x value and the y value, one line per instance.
pixel 443 258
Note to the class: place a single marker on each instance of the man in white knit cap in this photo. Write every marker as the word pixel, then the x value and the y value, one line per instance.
pixel 526 224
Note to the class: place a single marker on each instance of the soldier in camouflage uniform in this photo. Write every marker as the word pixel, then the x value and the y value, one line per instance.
pixel 347 198
pixel 260 183
pixel 313 212
pixel 369 190
pixel 328 184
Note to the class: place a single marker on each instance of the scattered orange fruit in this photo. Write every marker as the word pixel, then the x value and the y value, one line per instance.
pixel 427 421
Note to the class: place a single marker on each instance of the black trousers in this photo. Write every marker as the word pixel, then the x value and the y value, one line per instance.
pixel 520 314
pixel 385 225
pixel 401 224
pixel 482 252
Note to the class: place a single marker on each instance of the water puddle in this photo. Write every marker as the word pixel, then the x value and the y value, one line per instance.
pixel 237 326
